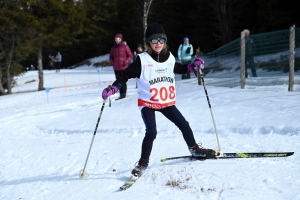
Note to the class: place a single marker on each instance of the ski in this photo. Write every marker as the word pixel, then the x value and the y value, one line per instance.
pixel 236 155
pixel 130 182
pixel 135 177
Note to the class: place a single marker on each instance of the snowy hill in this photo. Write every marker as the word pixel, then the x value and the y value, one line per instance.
pixel 45 138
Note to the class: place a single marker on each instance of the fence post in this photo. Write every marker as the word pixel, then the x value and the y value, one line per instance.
pixel 198 71
pixel 292 58
pixel 243 63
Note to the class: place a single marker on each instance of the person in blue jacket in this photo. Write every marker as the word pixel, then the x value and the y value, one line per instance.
pixel 185 52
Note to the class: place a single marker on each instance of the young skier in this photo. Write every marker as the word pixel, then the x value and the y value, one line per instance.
pixel 154 70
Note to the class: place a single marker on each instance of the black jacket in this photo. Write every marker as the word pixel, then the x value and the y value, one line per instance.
pixel 134 69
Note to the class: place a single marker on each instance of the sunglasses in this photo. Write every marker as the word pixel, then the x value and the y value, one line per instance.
pixel 155 41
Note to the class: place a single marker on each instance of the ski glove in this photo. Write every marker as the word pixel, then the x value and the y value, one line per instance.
pixel 110 90
pixel 198 62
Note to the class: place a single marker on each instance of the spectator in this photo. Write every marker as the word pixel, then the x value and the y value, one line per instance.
pixel 185 52
pixel 120 57
pixel 58 59
pixel 51 62
pixel 155 70
pixel 249 53
pixel 139 49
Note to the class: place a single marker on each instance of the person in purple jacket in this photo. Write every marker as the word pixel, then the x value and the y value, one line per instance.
pixel 120 57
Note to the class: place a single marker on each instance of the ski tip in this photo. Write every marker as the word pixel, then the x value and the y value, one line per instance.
pixel 123 188
pixel 163 159
pixel 217 153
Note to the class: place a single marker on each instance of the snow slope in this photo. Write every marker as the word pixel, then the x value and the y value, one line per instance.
pixel 45 137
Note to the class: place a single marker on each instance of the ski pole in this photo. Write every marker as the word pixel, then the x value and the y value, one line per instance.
pixel 83 173
pixel 219 148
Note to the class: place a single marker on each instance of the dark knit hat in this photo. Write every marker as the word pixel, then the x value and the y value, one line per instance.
pixel 155 31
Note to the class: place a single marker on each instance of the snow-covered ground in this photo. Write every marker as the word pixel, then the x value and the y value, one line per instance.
pixel 45 138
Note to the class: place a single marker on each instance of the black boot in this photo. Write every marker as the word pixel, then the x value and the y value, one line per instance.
pixel 140 167
pixel 122 96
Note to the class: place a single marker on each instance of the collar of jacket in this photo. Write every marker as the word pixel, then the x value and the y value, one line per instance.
pixel 160 57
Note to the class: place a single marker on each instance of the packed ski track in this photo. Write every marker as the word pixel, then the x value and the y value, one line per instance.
pixel 45 138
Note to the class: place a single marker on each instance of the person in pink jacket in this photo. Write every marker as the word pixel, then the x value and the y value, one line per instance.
pixel 120 57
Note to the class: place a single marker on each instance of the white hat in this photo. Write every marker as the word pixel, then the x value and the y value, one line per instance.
pixel 246 31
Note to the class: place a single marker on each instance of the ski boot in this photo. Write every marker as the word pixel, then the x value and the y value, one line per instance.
pixel 122 96
pixel 199 152
pixel 140 167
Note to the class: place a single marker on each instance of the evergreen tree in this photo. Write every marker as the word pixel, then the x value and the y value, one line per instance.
pixel 15 40
pixel 57 24
pixel 99 23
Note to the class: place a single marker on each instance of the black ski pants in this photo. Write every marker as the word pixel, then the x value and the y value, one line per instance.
pixel 123 89
pixel 174 115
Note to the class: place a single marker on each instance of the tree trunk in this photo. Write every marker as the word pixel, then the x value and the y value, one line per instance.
pixel 223 19
pixel 7 72
pixel 8 49
pixel 2 91
pixel 40 67
pixel 147 4
pixel 224 12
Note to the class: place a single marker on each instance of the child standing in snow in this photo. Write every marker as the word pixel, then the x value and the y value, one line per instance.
pixel 154 70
